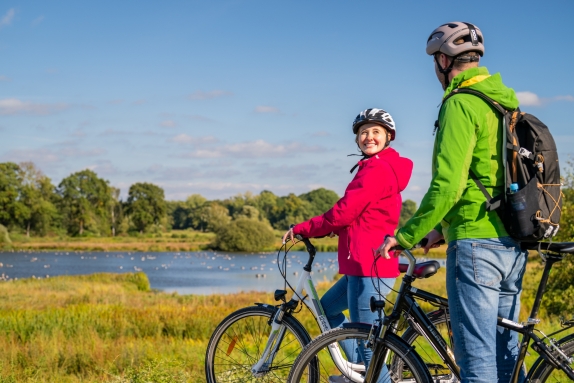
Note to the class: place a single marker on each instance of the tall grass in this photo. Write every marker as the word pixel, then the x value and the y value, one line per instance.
pixel 114 328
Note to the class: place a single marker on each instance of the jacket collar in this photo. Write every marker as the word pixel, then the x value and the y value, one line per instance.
pixel 467 78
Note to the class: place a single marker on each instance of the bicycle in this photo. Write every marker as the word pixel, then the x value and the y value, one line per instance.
pixel 555 356
pixel 262 341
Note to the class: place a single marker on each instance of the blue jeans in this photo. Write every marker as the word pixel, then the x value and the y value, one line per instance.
pixel 354 293
pixel 484 281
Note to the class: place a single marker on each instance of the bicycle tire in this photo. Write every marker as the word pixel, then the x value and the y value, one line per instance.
pixel 316 356
pixel 438 369
pixel 239 340
pixel 543 371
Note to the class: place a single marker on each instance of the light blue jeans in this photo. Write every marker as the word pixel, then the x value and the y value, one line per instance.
pixel 354 293
pixel 484 281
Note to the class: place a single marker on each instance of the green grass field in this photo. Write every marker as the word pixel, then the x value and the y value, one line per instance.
pixel 113 328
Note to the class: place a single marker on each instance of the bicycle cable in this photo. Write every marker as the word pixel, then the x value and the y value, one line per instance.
pixel 283 271
pixel 377 286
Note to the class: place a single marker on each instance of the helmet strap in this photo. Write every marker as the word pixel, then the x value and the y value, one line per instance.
pixel 445 71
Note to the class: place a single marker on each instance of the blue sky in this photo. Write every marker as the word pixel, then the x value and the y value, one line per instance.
pixel 224 97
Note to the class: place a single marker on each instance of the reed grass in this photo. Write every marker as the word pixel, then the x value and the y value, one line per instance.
pixel 175 240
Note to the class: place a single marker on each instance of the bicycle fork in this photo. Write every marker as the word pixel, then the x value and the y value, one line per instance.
pixel 275 338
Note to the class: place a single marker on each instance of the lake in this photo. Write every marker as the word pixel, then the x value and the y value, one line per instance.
pixel 203 273
pixel 182 272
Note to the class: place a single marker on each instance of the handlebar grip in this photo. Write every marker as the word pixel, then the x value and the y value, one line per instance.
pixel 310 248
pixel 424 241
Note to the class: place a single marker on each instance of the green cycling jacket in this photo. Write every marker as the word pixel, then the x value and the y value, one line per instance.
pixel 469 137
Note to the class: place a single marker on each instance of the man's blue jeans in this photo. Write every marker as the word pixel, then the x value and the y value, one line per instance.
pixel 484 281
pixel 354 293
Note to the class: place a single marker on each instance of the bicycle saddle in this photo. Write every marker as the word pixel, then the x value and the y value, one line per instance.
pixel 422 270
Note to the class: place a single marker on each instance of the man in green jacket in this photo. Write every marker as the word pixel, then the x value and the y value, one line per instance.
pixel 484 265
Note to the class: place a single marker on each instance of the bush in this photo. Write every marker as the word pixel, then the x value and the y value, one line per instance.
pixel 244 235
pixel 4 236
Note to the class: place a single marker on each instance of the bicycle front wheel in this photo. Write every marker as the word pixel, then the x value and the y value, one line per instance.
pixel 318 360
pixel 239 341
pixel 543 371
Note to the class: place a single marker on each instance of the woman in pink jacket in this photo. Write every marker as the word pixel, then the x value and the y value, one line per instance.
pixel 368 211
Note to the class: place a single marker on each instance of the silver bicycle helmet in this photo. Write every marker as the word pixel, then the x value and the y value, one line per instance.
pixel 378 116
pixel 455 39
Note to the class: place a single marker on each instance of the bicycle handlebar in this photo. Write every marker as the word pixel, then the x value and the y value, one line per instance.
pixel 422 243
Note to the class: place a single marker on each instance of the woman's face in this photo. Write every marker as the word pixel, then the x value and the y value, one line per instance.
pixel 372 138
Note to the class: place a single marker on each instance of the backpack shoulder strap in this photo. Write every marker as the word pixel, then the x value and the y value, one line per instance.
pixel 489 100
pixel 492 203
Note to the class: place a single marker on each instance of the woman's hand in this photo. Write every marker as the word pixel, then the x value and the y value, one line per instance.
pixel 384 249
pixel 289 235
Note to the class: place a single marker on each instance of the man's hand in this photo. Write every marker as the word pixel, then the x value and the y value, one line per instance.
pixel 432 238
pixel 384 249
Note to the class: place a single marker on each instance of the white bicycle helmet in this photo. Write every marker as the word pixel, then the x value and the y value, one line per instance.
pixel 378 116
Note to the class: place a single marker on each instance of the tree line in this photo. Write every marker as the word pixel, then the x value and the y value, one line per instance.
pixel 84 204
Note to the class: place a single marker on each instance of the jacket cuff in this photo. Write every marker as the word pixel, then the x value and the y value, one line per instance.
pixel 404 242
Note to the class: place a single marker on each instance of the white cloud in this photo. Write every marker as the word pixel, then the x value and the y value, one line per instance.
pixel 564 98
pixel 168 124
pixel 200 95
pixel 266 109
pixel 531 99
pixel 7 18
pixel 254 149
pixel 528 99
pixel 11 106
pixel 186 139
pixel 4 78
pixel 38 156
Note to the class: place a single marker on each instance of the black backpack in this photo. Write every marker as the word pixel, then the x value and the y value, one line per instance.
pixel 532 204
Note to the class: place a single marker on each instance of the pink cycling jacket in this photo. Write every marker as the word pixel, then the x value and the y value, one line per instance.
pixel 369 210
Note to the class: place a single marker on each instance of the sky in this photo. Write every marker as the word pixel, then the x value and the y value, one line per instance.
pixel 223 97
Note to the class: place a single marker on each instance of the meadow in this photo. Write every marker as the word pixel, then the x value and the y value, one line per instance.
pixel 114 328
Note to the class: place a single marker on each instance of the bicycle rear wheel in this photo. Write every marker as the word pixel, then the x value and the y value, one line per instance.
pixel 543 372
pixel 239 341
pixel 438 369
pixel 316 359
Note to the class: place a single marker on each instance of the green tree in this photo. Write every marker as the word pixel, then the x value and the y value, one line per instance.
pixel 291 209
pixel 244 234
pixel 146 205
pixel 214 216
pixel 266 203
pixel 116 210
pixel 321 200
pixel 248 212
pixel 37 194
pixel 13 212
pixel 85 202
pixel 407 211
pixel 235 204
